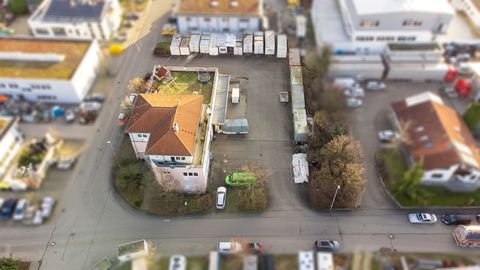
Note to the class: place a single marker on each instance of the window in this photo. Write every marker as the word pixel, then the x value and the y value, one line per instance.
pixel 410 23
pixel 77 32
pixel 41 31
pixel 195 174
pixel 185 174
pixel 406 38
pixel 225 20
pixel 190 174
pixel 2 85
pixel 207 19
pixel 369 23
pixel 243 20
pixel 59 31
pixel 13 85
pixel 144 135
pixel 188 19
pixel 364 38
pixel 183 158
pixel 177 158
pixel 385 38
pixel 437 175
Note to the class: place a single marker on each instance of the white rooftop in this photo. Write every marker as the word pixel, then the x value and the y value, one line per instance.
pixel 423 97
pixel 365 7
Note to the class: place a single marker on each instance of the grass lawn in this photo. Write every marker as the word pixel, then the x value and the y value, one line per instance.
pixel 472 115
pixel 454 259
pixel 392 171
pixel 186 83
pixel 286 262
pixel 231 262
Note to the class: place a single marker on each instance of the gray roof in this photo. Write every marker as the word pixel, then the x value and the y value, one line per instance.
pixel 63 10
pixel 221 99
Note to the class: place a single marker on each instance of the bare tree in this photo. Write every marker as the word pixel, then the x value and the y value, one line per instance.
pixel 260 173
pixel 168 183
pixel 136 85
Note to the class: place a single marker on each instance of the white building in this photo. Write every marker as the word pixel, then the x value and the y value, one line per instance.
pixel 471 8
pixel 364 26
pixel 11 141
pixel 173 134
pixel 50 71
pixel 219 15
pixel 76 19
pixel 437 134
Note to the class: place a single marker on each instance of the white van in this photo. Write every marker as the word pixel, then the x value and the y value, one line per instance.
pixel 344 83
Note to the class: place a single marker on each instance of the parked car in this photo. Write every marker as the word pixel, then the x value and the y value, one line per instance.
pixel 387 135
pixel 327 245
pixel 255 247
pixel 354 102
pixel 221 197
pixel 95 98
pixel 29 214
pixel 37 217
pixel 422 218
pixel 451 219
pixel 354 92
pixel 229 247
pixel 375 85
pixel 46 207
pixel 20 209
pixel 177 262
pixel 69 116
pixel 8 207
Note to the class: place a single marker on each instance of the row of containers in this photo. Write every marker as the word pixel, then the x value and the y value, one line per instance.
pixel 257 43
pixel 300 124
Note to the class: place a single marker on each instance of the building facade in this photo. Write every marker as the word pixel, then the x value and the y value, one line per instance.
pixel 76 19
pixel 11 141
pixel 51 71
pixel 471 8
pixel 219 16
pixel 437 136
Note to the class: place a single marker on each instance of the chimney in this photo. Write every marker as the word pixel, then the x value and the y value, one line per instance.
pixel 176 128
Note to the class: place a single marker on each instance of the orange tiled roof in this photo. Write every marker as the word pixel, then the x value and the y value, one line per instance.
pixel 438 134
pixel 244 7
pixel 171 121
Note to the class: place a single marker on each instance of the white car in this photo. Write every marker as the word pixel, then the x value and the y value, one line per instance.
pixel 376 85
pixel 387 135
pixel 422 218
pixel 221 197
pixel 354 92
pixel 46 207
pixel 69 116
pixel 354 102
pixel 20 209
pixel 229 247
pixel 37 218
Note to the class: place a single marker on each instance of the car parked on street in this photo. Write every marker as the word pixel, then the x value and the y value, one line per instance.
pixel 375 85
pixel 451 219
pixel 387 136
pixel 29 214
pixel 221 197
pixel 229 247
pixel 69 116
pixel 46 207
pixel 8 207
pixel 354 92
pixel 327 245
pixel 20 209
pixel 254 248
pixel 422 218
pixel 354 103
pixel 37 217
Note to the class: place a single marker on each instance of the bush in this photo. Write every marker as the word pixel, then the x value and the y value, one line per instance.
pixel 18 7
pixel 9 264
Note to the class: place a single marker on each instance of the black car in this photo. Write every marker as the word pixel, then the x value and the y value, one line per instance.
pixel 451 219
pixel 327 245
pixel 7 208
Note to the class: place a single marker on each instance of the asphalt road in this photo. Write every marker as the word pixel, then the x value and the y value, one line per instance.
pixel 91 220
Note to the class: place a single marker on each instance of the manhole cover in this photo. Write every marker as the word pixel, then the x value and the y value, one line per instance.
pixel 52 243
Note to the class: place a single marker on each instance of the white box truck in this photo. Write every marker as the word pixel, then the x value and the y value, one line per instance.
pixel 194 43
pixel 175 44
pixel 235 95
pixel 185 46
pixel 301 23
pixel 269 43
pixel 248 44
pixel 282 46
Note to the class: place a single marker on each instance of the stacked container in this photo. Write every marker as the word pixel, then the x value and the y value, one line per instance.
pixel 212 48
pixel 194 43
pixel 175 45
pixel 238 50
pixel 282 46
pixel 205 44
pixel 185 46
pixel 269 43
pixel 248 44
pixel 258 43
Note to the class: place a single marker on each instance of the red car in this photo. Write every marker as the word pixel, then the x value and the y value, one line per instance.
pixel 254 248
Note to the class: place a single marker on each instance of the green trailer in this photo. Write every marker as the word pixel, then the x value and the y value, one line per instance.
pixel 240 179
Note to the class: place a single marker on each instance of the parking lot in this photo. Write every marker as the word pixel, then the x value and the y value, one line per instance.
pixel 373 117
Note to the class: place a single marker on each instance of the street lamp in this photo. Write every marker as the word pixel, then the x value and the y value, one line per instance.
pixel 334 197
pixel 114 154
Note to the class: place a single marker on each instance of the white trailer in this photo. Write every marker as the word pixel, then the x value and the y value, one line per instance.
pixel 282 46
pixel 301 23
pixel 269 43
pixel 205 44
pixel 194 43
pixel 248 44
pixel 185 46
pixel 212 48
pixel 258 43
pixel 175 44
pixel 300 168
pixel 238 50
pixel 300 126
pixel 417 72
pixel 294 57
pixel 235 95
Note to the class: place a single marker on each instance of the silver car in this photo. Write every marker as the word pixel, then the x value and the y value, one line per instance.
pixel 354 102
pixel 422 218
pixel 221 197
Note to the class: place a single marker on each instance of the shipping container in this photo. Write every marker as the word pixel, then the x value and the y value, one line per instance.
pixel 235 95
pixel 175 45
pixel 258 43
pixel 194 43
pixel 294 57
pixel 205 43
pixel 298 96
pixel 300 126
pixel 296 75
pixel 185 46
pixel 248 44
pixel 301 22
pixel 212 48
pixel 417 72
pixel 238 50
pixel 282 46
pixel 269 43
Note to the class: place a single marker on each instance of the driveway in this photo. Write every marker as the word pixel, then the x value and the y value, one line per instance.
pixel 367 121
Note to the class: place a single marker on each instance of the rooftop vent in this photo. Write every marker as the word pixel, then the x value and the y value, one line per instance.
pixel 233 3
pixel 214 3
pixel 176 128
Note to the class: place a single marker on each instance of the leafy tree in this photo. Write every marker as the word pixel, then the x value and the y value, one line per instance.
pixel 340 166
pixel 135 85
pixel 18 7
pixel 411 181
